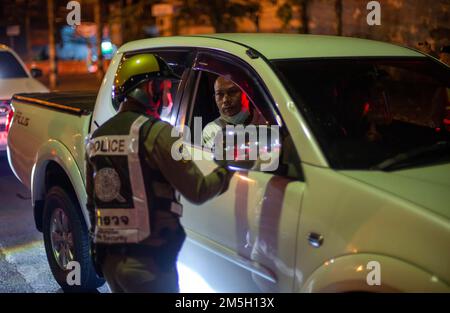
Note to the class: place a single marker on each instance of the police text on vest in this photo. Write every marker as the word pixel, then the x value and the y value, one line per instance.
pixel 109 145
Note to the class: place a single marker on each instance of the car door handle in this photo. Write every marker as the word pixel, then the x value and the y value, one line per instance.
pixel 315 239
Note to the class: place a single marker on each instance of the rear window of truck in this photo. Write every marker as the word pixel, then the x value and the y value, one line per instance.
pixel 10 67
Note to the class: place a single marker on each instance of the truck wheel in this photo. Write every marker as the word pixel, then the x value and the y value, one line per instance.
pixel 66 239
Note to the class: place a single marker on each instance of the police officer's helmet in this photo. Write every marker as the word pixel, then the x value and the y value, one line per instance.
pixel 138 69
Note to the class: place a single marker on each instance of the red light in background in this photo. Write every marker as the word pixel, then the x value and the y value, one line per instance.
pixel 245 101
pixel 170 99
pixel 366 108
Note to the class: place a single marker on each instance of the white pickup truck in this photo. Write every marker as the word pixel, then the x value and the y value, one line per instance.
pixel 360 200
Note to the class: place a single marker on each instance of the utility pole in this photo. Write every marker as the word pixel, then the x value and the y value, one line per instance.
pixel 99 23
pixel 51 42
pixel 304 16
pixel 28 30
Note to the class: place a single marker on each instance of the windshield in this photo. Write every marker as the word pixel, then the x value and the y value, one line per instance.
pixel 10 67
pixel 365 112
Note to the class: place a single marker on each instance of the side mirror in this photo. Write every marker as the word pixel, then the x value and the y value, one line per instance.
pixel 36 72
pixel 248 148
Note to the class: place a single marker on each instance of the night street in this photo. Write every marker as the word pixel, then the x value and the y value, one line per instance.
pixel 226 146
pixel 23 264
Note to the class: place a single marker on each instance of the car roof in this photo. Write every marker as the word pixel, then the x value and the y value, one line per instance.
pixel 282 46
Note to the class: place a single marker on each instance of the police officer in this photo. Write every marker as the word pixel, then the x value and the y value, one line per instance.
pixel 133 184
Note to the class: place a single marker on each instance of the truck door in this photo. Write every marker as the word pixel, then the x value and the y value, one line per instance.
pixel 245 239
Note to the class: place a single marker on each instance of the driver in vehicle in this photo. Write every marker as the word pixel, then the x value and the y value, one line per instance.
pixel 234 108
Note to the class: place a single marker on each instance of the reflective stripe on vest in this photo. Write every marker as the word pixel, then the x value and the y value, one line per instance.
pixel 123 225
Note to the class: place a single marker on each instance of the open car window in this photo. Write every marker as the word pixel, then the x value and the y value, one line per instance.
pixel 205 106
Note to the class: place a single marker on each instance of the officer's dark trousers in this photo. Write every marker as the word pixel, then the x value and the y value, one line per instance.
pixel 141 268
pixel 128 273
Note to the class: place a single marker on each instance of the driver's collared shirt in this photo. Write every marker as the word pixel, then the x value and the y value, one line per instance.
pixel 211 129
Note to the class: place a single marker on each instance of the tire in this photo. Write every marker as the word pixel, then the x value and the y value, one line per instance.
pixel 63 218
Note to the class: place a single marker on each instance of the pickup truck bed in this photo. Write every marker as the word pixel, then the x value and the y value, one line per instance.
pixel 81 103
pixel 50 127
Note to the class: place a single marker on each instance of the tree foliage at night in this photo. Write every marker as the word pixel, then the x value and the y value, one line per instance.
pixel 222 14
pixel 285 13
pixel 133 16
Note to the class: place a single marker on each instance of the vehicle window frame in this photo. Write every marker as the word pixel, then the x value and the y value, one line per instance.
pixel 189 97
pixel 181 87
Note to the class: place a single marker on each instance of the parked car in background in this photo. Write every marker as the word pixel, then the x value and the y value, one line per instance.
pixel 14 78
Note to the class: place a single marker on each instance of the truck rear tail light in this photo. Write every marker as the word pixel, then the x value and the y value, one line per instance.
pixel 9 120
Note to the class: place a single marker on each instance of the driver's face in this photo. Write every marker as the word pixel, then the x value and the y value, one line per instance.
pixel 228 96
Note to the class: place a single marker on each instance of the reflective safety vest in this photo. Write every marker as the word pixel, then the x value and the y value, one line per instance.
pixel 121 192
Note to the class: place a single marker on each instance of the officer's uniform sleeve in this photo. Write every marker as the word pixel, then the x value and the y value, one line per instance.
pixel 183 175
pixel 209 134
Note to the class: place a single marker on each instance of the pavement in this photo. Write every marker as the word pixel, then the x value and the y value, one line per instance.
pixel 23 262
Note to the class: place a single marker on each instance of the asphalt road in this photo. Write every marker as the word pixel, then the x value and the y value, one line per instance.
pixel 23 263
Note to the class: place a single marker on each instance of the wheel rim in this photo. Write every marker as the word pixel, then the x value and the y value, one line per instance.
pixel 61 238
